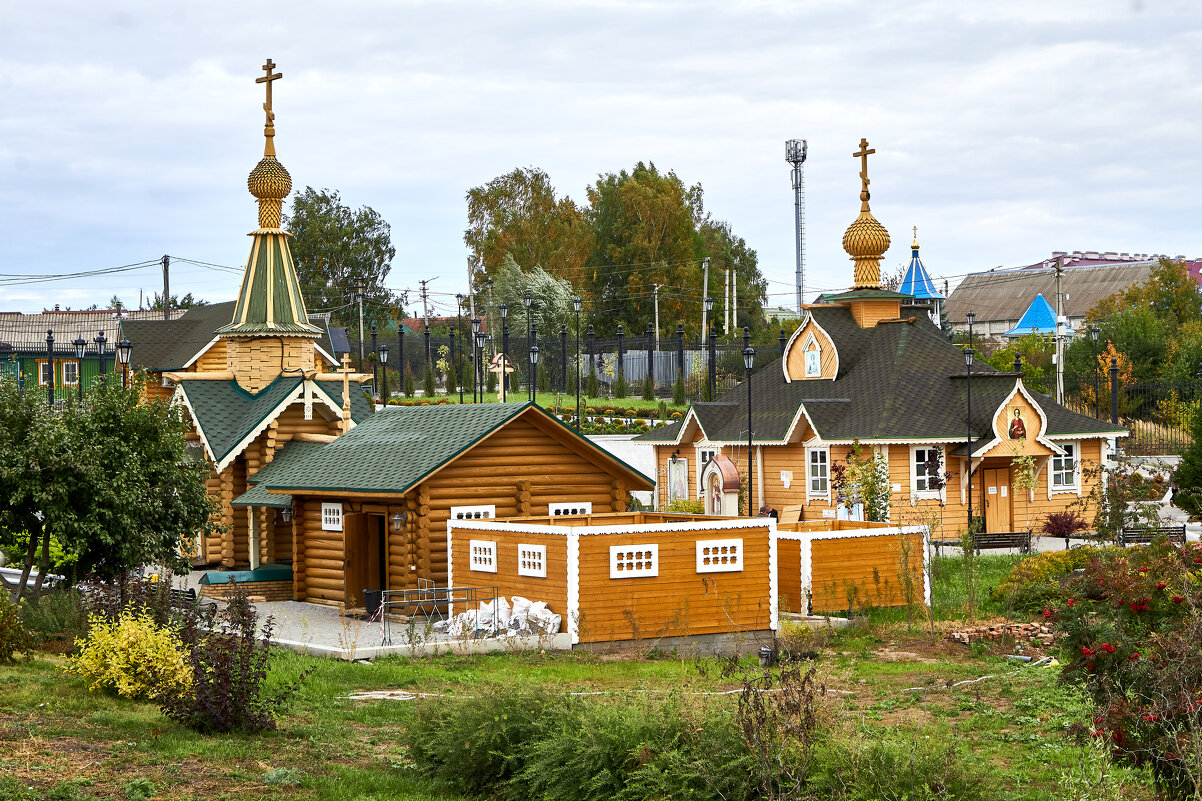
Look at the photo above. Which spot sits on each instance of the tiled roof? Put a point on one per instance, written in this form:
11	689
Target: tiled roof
1003	294
897	381
225	412
1039	318
401	445
26	333
917	281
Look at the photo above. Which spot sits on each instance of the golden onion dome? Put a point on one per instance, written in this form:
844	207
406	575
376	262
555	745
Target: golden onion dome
865	238
269	180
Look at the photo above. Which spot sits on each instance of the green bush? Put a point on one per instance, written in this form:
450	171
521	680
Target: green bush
14	638
689	506
407	384
678	390
648	388
132	656
428	382
1034	581
57	612
592	387
620	389
910	768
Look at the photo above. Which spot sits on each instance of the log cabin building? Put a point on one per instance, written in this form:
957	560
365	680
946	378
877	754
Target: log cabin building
866	365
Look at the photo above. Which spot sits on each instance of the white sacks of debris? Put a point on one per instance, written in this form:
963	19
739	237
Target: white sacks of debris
524	618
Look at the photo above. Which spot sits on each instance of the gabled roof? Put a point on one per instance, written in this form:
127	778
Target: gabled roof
226	414
917	282
1002	294
400	446
898	381
1039	318
26	333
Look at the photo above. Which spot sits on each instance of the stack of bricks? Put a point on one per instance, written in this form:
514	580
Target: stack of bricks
255	590
1015	631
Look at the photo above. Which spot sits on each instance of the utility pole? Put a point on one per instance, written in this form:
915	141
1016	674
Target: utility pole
166	288
705	293
734	298
726	299
359	297
795	154
1059	336
657	286
471	292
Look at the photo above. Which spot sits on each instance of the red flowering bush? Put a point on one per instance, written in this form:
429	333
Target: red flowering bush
1132	634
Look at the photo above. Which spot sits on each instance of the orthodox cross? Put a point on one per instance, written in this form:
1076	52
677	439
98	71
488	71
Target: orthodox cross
267	79
916	233
346	389
862	154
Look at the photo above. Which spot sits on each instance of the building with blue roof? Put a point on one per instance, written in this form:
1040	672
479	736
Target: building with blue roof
1039	318
917	282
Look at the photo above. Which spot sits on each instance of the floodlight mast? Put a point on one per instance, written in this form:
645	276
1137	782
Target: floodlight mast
795	154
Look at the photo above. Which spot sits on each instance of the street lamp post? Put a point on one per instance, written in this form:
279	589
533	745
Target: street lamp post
400	352
782	342
563	357
968	354
374	372
458	327
534	366
123	352
712	367
100	341
50	363
384	372
476	340
749	362
504	350
1094	332
620	372
81	345
651	355
680	351
481	336
576	304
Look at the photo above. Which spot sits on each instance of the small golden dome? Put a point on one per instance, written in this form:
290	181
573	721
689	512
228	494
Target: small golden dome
269	180
866	238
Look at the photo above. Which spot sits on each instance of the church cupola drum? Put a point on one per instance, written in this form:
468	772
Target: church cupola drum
270	303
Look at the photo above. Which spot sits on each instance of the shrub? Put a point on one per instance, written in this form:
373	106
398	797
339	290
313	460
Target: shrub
678	390
407	384
1130	628
620	389
662	410
228	669
1064	524
14	638
1035	581
690	506
132	656
490	382
54	613
428	382
648	387
592	388
911	768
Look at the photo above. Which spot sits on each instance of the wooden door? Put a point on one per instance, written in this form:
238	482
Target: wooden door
995	489
355	559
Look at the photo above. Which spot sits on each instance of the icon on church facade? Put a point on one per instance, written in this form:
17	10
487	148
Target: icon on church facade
1018	429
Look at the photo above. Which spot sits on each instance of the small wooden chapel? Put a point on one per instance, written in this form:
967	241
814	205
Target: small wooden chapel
870	365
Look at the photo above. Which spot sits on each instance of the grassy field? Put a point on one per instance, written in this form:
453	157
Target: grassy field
1010	723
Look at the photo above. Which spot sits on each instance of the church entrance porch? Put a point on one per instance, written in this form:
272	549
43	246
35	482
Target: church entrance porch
364	558
997	501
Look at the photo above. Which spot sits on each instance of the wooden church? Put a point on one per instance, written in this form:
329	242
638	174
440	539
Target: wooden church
870	365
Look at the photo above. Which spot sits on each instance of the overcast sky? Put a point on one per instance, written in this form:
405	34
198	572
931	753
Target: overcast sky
1004	131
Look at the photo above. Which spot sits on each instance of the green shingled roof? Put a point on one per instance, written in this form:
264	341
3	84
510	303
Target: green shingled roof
896	381
270	302
401	445
291	454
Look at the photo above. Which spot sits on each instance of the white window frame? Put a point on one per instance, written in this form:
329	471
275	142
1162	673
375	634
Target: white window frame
331	517
1075	487
42	365
483	512
705	455
569	508
810	491
482	556
73	364
633	561
720	556
915	477
532	560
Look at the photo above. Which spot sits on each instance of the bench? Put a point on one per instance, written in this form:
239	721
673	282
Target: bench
1000	540
1145	534
185	598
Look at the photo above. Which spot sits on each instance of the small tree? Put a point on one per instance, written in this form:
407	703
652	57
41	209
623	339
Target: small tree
1188	476
491	382
385	390
863	479
678	390
620	390
1117	498
592	387
408	386
648	387
428	382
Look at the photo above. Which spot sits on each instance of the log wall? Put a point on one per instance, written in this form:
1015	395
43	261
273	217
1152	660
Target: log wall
869	566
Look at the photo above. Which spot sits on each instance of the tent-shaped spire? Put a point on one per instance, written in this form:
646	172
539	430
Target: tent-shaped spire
1039	318
270	302
917	281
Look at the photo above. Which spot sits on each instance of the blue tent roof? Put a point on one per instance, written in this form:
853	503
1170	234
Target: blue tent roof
1039	318
917	282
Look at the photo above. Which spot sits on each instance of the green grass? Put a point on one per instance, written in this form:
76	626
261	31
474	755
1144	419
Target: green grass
949	592
564	400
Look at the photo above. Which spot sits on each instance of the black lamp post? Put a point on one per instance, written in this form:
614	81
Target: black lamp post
375	377
713	352
476	340
592	339
124	347
651	355
400	352
968	354
458	327
1094	332
479	370
576	304
563	357
81	345
749	362
971	316
100	341
782	342
504	350
384	372
680	350
534	366
620	373
528	300
50	362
